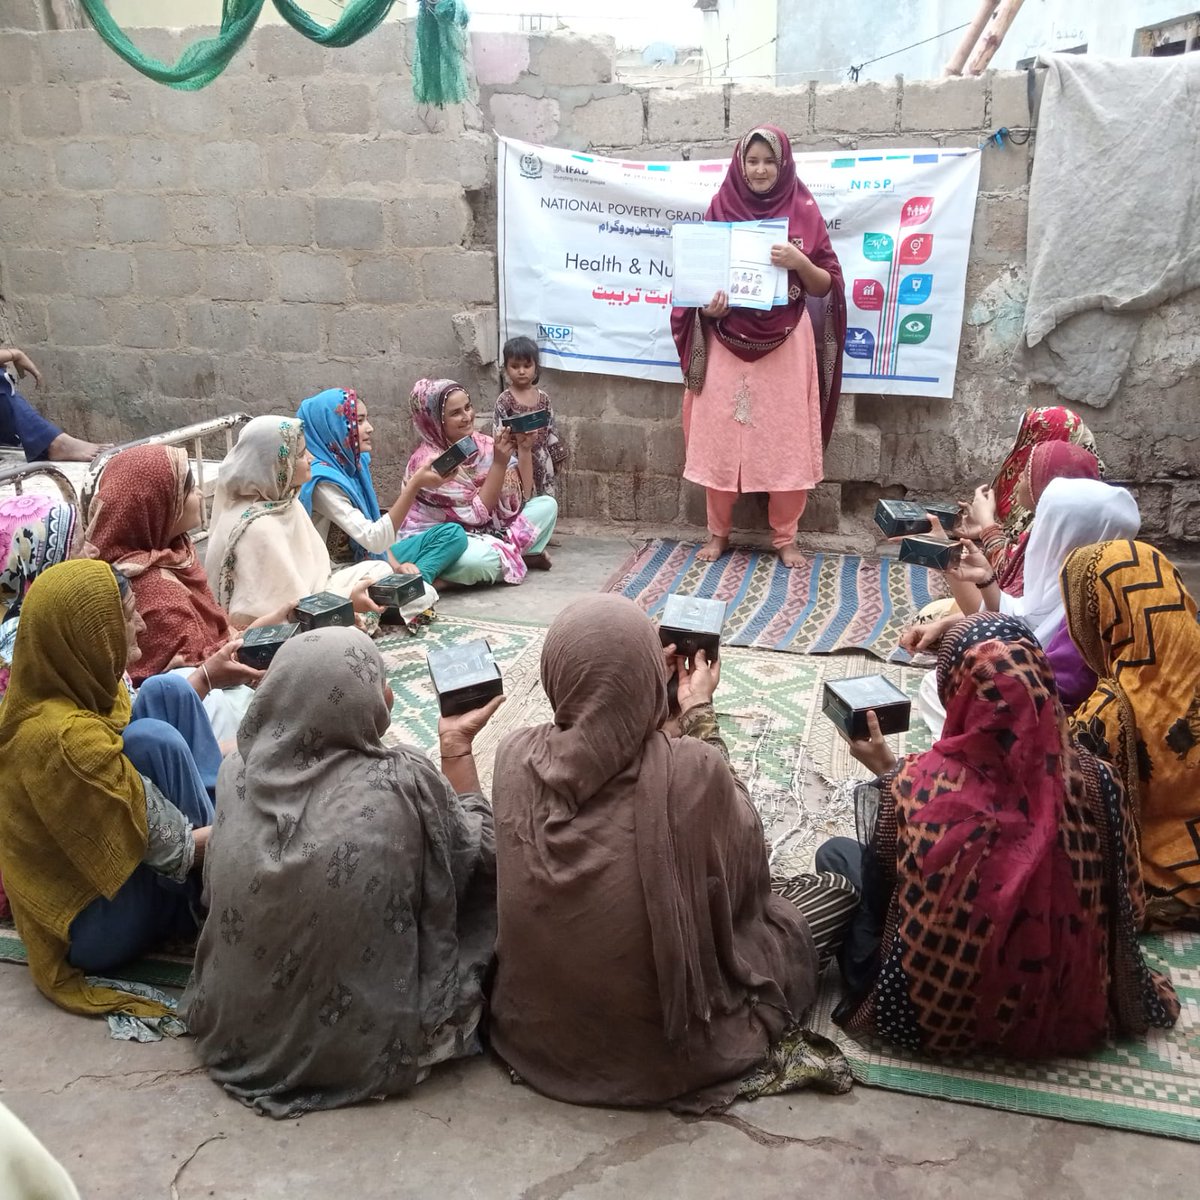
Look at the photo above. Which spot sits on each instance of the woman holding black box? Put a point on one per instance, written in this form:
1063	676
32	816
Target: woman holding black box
763	386
999	872
482	495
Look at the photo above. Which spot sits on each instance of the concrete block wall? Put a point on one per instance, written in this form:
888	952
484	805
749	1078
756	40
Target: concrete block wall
301	223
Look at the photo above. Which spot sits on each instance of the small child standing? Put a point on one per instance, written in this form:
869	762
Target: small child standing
540	453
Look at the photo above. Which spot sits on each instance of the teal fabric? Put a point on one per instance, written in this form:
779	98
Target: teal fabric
440	54
432	550
205	59
480	562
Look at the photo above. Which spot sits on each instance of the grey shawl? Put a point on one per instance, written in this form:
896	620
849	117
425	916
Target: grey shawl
351	892
1114	223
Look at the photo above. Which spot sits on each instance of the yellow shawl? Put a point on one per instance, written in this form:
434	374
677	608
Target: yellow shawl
72	807
1135	624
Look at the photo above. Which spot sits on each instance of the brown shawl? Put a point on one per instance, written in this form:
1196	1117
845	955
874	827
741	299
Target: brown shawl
139	500
641	954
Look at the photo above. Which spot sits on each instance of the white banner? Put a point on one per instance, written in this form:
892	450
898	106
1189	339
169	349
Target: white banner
585	257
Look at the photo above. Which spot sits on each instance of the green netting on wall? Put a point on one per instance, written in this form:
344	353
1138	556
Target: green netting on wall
440	61
439	67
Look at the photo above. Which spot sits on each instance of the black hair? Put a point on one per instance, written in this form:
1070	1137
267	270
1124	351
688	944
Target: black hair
520	348
189	483
123	585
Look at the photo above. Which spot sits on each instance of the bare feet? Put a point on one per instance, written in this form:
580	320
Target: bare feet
712	549
66	448
538	562
790	556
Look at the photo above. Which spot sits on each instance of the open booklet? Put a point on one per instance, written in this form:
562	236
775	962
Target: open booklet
728	256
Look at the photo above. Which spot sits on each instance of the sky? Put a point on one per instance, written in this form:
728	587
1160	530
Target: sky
631	22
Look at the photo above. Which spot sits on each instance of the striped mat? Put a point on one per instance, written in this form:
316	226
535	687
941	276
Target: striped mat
830	602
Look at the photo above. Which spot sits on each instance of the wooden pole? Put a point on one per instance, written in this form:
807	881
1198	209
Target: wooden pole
992	36
958	59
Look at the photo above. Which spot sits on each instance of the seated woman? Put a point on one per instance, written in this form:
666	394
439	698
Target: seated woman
1000	515
1135	623
1046	461
642	957
1071	513
351	888
263	550
145	504
103	812
1001	897
506	534
340	496
1038	426
36	532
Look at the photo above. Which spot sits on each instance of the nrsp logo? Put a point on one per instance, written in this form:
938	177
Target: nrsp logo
555	333
531	166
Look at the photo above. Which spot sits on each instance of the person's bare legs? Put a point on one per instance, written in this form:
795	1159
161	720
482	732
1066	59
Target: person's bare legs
784	511
66	448
720	524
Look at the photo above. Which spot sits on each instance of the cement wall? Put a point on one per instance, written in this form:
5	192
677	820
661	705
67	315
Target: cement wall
301	224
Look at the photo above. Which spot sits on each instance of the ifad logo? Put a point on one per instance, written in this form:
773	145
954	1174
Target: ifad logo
531	166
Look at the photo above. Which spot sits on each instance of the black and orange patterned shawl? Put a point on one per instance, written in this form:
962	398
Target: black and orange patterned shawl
1135	624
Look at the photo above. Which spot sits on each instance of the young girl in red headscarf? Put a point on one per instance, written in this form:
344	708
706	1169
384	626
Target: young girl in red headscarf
762	387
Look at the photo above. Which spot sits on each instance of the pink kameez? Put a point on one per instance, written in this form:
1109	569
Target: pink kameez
756	426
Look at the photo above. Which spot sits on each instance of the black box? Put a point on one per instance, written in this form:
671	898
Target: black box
693	623
261	644
847	702
527	422
949	514
464	677
926	552
396	590
898	518
458	453
324	610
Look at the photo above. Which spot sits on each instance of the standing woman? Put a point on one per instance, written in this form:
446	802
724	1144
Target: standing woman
763	386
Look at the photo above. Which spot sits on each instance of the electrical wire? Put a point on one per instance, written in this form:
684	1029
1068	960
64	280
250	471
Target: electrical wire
703	70
853	72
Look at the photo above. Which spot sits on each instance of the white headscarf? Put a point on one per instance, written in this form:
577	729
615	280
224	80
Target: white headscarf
1070	513
263	549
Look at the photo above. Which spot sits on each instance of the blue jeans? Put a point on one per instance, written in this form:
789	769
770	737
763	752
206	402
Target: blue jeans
148	908
22	425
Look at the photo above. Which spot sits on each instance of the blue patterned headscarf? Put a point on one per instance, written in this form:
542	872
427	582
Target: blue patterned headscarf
331	431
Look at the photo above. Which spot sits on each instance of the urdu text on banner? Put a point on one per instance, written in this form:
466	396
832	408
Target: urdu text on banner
585	259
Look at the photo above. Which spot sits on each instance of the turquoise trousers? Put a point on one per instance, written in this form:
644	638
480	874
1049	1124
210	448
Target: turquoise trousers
432	550
480	561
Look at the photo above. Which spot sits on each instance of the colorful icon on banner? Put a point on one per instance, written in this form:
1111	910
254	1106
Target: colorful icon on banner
877	247
868	294
914	289
916	249
860	343
914	328
916	211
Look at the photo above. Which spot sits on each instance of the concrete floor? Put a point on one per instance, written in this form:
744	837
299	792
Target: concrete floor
132	1121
